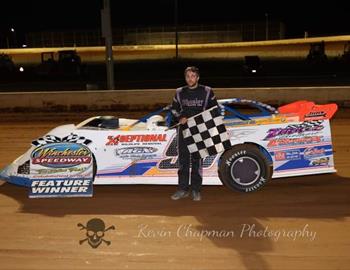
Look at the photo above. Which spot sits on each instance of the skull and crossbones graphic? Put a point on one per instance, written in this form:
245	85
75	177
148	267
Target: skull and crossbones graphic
95	231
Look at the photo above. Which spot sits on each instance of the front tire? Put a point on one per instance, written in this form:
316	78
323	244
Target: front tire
244	168
94	167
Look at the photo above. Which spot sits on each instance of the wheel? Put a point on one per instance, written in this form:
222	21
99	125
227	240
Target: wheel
244	168
94	168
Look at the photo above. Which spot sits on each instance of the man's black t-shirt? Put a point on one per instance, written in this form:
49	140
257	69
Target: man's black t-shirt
188	102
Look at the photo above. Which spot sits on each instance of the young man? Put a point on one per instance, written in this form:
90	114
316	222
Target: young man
190	100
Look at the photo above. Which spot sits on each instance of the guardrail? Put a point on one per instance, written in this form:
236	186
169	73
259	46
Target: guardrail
286	48
116	100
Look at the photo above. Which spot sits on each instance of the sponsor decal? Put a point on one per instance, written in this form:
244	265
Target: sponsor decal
48	188
61	155
62	173
60	170
120	139
294	141
273	120
136	152
294	129
241	124
314	152
170	161
72	138
237	154
260	183
79	171
240	133
287	155
315	114
320	162
192	102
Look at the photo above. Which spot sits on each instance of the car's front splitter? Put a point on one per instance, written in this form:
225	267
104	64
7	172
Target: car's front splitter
13	179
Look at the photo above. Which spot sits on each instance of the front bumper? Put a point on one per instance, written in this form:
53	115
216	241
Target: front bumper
3	174
14	179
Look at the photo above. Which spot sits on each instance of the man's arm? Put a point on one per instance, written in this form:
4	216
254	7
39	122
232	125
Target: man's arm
211	100
176	108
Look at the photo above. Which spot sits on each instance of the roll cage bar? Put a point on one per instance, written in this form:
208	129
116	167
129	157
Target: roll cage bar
265	110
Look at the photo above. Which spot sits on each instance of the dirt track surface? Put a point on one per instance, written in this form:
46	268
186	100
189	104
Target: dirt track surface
294	223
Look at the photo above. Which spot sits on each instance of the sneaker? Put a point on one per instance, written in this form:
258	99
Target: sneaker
196	195
180	194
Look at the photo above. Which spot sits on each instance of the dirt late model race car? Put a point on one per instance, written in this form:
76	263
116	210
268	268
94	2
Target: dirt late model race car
266	143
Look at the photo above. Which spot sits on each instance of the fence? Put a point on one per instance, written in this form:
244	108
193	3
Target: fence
187	34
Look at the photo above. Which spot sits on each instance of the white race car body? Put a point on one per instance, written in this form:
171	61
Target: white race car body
146	153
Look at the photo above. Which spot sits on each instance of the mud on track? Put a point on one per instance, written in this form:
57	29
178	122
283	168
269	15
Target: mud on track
248	231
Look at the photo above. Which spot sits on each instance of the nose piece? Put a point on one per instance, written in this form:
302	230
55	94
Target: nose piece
9	175
4	173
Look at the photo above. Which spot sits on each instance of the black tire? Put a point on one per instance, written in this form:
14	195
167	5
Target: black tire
250	174
94	168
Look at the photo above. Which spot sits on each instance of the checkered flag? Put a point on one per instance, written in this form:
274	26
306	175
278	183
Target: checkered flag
73	138
205	134
46	139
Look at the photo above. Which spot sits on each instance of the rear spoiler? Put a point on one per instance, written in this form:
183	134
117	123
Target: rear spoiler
308	110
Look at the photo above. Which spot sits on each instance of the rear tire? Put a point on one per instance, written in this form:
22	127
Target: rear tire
244	168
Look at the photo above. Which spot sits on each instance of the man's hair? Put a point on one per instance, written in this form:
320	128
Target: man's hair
193	69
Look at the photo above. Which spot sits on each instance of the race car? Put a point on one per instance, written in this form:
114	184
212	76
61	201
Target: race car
293	140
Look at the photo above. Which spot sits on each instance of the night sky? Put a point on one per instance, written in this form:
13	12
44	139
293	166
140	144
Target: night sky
314	17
